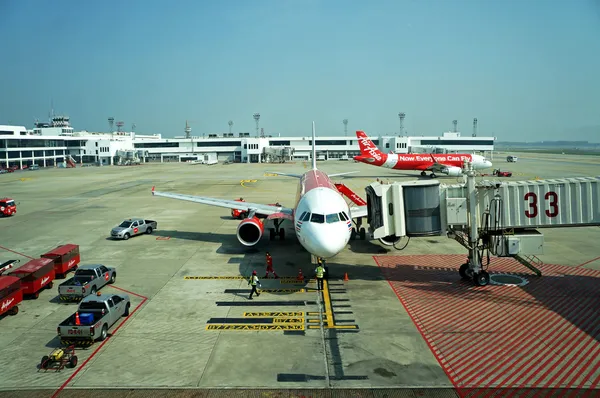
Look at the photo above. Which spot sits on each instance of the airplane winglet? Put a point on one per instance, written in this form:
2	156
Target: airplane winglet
153	190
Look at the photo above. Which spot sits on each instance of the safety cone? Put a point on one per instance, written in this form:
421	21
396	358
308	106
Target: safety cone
346	279
300	275
77	321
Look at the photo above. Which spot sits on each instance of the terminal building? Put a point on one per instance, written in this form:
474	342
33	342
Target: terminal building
56	143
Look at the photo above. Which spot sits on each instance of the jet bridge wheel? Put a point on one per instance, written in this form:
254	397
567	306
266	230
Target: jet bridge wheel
481	279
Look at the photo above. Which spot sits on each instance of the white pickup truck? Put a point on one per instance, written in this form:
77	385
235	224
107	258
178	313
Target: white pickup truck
131	227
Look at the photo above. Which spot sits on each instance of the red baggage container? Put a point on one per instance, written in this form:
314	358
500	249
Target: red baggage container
35	275
65	257
10	294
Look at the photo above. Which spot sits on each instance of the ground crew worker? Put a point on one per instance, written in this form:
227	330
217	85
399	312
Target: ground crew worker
320	271
254	281
270	267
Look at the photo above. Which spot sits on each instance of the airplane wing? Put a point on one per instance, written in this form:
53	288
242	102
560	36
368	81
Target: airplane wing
257	208
358	211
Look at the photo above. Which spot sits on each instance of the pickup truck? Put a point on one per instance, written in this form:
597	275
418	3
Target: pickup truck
131	227
87	280
95	315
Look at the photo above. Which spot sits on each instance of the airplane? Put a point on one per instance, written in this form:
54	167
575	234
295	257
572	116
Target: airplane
449	164
322	218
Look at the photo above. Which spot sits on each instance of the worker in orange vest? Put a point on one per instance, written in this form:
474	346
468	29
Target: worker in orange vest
270	267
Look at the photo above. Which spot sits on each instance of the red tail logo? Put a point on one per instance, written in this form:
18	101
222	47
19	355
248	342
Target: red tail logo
367	147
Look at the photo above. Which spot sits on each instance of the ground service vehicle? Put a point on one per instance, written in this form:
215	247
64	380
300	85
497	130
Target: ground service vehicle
499	173
133	226
59	358
35	275
239	214
10	294
95	315
8	207
65	257
87	280
512	159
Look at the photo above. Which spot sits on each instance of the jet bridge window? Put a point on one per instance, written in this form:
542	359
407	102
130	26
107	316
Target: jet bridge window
331	218
305	217
318	218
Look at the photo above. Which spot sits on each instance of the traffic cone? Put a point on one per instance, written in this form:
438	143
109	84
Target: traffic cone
300	275
346	279
77	321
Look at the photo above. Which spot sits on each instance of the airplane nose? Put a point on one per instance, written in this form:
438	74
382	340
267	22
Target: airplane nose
327	245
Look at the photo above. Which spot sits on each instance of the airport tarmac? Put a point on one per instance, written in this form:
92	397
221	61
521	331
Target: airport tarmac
194	328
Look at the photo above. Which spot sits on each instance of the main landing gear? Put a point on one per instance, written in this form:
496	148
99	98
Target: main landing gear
277	231
358	230
477	274
424	174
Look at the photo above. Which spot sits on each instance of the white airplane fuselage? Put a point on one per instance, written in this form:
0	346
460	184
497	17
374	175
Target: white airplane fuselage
322	219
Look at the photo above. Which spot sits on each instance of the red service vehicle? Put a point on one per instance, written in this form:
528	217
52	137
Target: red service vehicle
239	214
499	173
10	294
35	275
65	257
8	207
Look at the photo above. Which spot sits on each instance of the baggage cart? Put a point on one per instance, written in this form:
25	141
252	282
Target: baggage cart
65	257
10	295
35	275
5	266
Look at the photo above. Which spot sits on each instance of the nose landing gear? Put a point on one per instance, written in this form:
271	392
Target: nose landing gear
358	230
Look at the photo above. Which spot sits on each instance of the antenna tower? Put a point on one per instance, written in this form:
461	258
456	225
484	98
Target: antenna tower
402	115
475	127
256	118
188	130
345	121
111	123
455	123
230	123
119	125
133	127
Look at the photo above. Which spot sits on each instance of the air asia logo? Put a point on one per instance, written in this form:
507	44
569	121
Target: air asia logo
367	144
7	303
71	263
46	279
106	276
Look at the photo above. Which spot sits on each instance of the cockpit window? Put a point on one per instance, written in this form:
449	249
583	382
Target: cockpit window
302	215
306	216
344	216
318	218
331	218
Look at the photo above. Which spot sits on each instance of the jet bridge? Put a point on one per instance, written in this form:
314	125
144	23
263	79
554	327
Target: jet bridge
502	218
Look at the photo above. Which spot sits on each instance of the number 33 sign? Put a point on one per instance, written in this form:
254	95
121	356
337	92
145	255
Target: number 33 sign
532	200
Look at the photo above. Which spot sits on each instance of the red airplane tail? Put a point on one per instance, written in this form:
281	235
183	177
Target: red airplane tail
369	153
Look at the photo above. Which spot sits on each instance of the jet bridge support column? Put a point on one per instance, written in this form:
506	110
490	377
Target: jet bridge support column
472	268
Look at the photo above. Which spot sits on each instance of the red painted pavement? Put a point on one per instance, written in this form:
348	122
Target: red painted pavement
544	335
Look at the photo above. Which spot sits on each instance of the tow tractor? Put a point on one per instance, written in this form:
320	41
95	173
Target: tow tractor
239	214
499	173
59	358
8	207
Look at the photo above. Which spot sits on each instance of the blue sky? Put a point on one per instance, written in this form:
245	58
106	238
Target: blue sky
528	69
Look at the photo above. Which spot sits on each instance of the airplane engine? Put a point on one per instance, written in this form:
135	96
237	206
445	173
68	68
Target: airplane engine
390	240
250	231
452	171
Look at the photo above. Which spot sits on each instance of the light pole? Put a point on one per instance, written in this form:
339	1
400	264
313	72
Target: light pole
345	121
256	118
230	123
